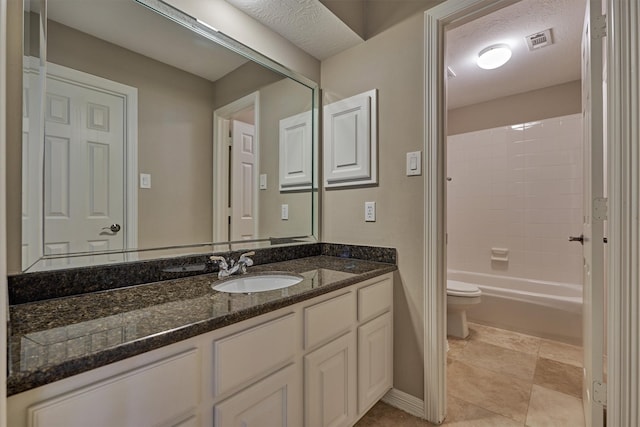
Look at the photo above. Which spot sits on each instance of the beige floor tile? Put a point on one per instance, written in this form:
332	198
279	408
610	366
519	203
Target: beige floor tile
383	415
561	352
456	345
499	359
559	376
550	408
495	392
503	338
465	414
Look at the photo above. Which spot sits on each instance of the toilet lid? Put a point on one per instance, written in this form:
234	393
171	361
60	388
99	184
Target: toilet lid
462	289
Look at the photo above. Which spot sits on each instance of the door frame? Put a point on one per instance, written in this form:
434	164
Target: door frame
623	127
130	96
448	14
4	301
220	176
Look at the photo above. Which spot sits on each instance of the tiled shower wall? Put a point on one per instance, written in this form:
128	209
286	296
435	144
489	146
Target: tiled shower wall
517	188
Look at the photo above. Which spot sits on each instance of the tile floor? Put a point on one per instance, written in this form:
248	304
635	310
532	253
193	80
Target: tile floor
501	378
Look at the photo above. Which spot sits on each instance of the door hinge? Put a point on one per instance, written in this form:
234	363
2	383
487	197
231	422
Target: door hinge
599	29
599	393
600	208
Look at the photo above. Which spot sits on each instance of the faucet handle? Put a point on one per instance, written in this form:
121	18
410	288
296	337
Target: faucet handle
222	262
245	261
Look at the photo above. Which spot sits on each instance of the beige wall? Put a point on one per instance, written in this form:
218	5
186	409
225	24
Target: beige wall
391	62
272	110
242	81
240	26
175	122
553	101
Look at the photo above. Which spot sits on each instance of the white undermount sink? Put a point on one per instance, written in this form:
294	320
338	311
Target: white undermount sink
257	283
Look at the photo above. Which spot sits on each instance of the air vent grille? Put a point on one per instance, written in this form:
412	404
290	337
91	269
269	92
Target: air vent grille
539	40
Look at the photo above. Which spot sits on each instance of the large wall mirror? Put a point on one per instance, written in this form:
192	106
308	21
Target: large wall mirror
144	128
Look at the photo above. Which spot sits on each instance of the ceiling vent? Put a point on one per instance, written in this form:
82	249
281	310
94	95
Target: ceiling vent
539	40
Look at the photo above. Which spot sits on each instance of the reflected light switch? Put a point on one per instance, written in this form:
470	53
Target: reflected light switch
145	180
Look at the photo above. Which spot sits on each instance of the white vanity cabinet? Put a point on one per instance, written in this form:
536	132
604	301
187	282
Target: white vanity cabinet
321	362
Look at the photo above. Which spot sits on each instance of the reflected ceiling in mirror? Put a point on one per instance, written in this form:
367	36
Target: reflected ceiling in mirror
156	134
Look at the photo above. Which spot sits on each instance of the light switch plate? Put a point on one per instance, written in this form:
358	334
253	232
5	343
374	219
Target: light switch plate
145	180
263	181
284	212
370	211
414	163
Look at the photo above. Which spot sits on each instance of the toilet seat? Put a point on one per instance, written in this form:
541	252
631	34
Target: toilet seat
461	289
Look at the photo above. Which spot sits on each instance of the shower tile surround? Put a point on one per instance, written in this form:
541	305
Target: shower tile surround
81	328
519	188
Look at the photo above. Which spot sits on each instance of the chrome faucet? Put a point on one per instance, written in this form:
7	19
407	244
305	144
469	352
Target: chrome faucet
231	267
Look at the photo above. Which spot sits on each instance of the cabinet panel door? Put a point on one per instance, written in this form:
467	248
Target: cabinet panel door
375	361
235	357
151	395
274	402
330	383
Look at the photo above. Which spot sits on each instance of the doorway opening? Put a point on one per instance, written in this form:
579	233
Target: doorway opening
453	15
236	150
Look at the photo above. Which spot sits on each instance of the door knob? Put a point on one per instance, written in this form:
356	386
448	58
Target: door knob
113	227
579	238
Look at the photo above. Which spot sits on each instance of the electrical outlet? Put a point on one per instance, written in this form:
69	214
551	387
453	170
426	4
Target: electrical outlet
284	212
370	211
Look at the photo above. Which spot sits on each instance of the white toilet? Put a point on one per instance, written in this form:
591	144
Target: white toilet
460	296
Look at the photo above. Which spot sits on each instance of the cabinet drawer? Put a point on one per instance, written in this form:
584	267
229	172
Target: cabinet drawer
375	299
151	395
249	355
328	319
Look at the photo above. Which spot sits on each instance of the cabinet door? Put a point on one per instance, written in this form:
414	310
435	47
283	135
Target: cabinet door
330	383
274	402
151	395
375	361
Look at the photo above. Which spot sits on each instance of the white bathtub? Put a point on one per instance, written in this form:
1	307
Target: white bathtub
544	309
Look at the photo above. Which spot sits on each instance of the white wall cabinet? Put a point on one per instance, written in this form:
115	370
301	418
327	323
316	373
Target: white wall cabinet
251	373
350	141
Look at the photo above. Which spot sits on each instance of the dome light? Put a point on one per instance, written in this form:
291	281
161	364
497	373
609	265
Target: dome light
494	56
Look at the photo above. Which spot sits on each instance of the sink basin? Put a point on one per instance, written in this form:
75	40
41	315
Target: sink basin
257	283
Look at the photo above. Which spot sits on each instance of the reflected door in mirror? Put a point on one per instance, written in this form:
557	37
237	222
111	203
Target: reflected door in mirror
84	160
244	185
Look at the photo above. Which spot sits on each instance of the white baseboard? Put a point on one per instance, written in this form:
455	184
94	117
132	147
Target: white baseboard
404	401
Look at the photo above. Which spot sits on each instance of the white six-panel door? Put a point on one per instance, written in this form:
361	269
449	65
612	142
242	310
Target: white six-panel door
84	161
244	165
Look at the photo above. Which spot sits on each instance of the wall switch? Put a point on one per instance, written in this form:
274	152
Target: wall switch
370	211
263	181
145	180
284	212
414	163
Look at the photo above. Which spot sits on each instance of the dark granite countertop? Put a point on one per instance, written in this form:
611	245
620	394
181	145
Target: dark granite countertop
54	339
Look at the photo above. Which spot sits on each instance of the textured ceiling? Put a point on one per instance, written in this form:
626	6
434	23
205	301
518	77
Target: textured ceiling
548	66
130	25
306	23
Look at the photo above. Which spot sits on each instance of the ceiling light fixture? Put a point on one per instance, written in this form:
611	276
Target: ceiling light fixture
493	56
